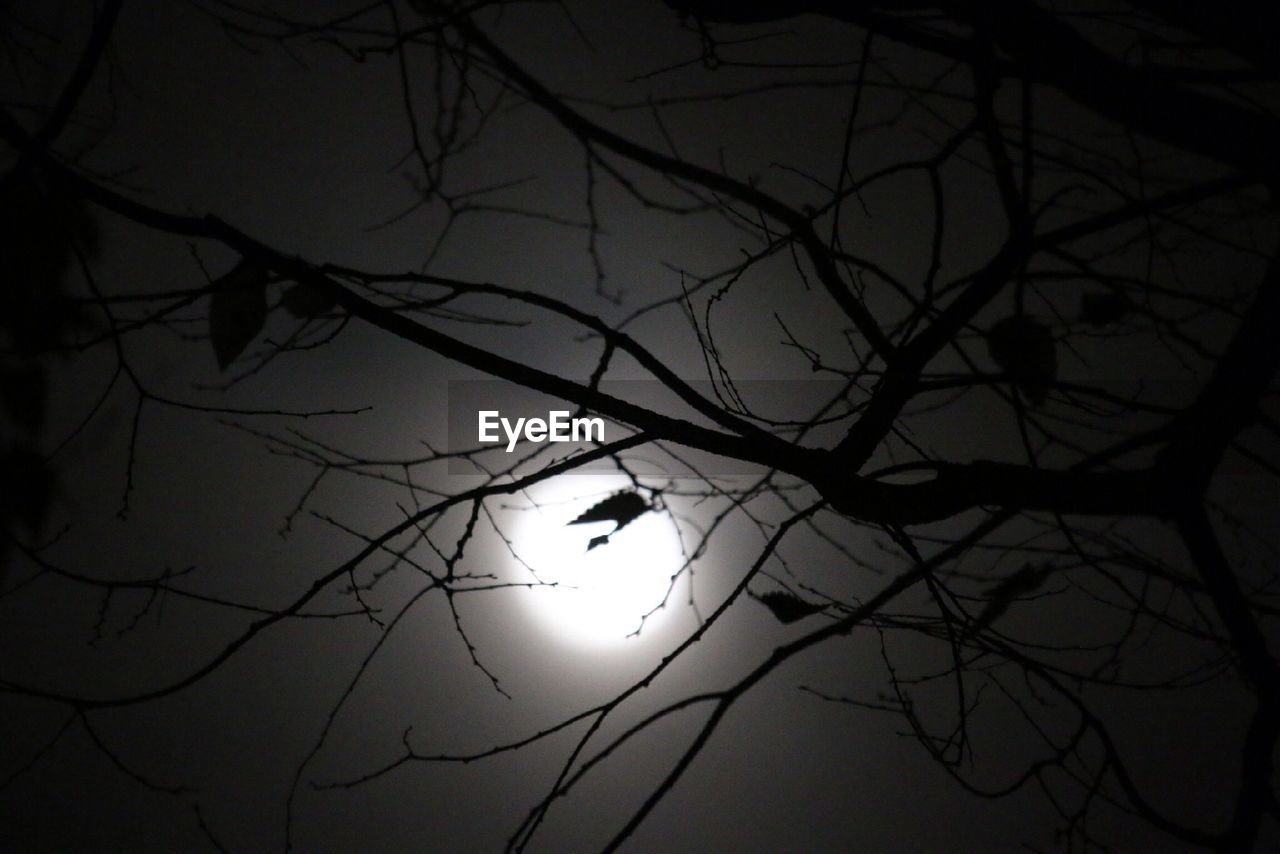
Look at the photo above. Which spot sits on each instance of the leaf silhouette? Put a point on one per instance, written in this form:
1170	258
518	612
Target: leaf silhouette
307	299
238	310
1104	309
622	508
1024	348
1023	582
786	607
23	391
26	485
41	228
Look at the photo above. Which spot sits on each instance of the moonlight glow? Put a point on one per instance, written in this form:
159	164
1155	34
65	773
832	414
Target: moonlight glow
600	595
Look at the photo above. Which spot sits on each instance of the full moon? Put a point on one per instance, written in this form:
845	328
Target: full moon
600	596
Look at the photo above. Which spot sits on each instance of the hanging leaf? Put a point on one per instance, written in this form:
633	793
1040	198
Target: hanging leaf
786	607
1025	350
238	310
26	485
1022	583
602	540
1104	309
622	508
41	229
308	299
22	391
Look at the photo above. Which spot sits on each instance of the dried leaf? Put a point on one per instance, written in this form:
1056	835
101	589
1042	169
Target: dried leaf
1104	309
1006	591
23	391
308	299
41	228
1025	350
787	608
238	310
26	485
622	508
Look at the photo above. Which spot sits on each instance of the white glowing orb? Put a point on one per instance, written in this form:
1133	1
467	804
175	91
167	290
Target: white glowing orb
600	596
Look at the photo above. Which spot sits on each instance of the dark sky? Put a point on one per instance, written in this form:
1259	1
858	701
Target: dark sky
304	149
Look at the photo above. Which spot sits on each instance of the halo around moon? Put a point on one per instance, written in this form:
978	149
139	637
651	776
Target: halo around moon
600	596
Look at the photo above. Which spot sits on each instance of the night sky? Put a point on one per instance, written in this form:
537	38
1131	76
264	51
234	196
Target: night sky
229	619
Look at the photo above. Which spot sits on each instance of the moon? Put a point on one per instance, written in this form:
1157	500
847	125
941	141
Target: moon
595	598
